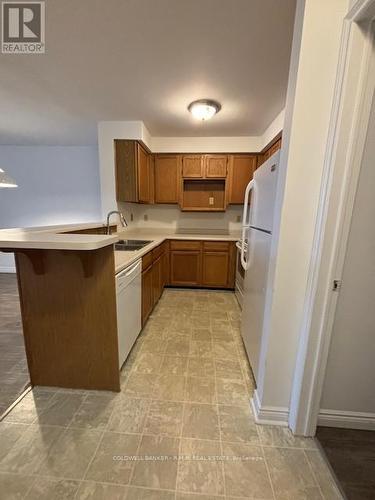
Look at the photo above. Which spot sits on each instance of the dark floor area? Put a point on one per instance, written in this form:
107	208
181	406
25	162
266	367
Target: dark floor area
351	454
14	375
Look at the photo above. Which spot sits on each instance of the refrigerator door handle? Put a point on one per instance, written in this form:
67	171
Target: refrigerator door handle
246	223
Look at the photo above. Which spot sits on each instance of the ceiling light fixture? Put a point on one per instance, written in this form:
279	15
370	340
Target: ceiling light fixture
6	181
204	109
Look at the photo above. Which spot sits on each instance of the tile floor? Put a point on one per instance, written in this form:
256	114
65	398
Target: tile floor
180	429
14	375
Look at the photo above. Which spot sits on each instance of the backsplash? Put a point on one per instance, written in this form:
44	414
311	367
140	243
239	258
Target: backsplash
171	217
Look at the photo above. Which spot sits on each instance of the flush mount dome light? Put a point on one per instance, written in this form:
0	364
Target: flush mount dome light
204	109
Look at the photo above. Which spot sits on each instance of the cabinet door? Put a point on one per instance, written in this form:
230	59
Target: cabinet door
126	170
216	166
147	295
241	170
167	179
215	269
156	280
144	188
165	264
185	267
192	166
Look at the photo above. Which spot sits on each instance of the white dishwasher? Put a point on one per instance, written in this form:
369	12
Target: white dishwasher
128	300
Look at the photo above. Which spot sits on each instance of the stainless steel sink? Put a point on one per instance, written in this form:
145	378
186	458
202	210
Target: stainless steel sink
131	245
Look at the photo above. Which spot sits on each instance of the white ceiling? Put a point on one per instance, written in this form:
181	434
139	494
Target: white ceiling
147	60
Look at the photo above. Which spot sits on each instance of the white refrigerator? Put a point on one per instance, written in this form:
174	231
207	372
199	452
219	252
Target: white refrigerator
255	244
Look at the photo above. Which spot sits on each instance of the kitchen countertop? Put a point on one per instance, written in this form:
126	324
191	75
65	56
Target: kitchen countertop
124	259
50	237
56	238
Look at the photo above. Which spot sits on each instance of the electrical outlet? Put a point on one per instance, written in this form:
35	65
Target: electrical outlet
238	218
145	217
211	200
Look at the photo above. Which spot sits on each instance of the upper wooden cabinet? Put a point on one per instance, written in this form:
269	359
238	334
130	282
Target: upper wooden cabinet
193	166
269	152
134	172
241	170
167	178
204	166
216	166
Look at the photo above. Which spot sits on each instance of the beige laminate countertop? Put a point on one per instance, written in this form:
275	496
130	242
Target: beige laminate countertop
124	259
53	237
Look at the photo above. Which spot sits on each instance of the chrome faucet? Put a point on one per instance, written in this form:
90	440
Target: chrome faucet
121	216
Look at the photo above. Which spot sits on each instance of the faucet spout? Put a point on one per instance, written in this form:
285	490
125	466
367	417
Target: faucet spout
121	217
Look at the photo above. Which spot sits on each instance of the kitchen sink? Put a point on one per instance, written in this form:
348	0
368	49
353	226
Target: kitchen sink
131	245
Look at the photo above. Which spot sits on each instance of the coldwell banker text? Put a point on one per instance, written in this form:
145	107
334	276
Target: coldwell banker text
23	27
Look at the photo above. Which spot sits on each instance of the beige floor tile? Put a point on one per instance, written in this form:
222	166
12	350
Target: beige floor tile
246	472
237	424
30	407
201	367
161	470
224	335
310	493
228	369
104	468
198	471
14	486
323	475
201	349
225	350
232	392
30	449
137	493
61	408
140	385
94	412
153	345
200	321
289	470
164	418
274	435
201	421
91	490
173	365
194	496
57	489
129	415
9	434
178	346
147	362
170	388
70	454
200	390
203	334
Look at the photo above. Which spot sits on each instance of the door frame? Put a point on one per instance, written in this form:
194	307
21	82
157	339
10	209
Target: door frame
345	146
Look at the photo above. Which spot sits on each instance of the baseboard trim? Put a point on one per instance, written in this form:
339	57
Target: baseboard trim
347	419
268	415
7	269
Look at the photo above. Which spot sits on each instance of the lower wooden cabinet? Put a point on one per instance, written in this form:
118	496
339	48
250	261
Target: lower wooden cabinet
215	269
185	267
155	276
147	294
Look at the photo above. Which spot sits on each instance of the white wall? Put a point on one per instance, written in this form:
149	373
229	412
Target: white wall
56	185
350	373
308	109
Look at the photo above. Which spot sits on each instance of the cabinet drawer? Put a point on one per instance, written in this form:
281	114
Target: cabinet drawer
146	261
185	245
216	246
156	252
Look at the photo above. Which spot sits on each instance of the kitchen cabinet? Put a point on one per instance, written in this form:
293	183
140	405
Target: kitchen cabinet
206	195
202	263
192	166
269	152
167	178
204	166
147	293
134	172
154	278
241	170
